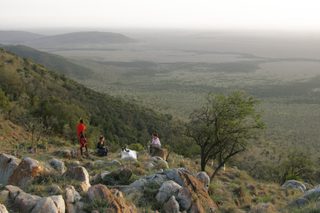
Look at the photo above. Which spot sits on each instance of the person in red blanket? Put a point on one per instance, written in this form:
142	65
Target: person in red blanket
81	136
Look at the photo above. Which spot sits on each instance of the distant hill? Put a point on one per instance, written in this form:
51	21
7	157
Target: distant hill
51	61
17	37
79	40
29	91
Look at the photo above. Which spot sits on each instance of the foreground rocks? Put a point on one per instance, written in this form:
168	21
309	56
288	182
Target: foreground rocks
79	173
177	187
27	203
8	164
173	190
26	171
114	199
73	200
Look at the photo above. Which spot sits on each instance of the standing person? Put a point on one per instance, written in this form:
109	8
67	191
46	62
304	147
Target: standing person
81	127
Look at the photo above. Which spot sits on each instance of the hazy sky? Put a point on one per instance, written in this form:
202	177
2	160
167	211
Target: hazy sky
199	14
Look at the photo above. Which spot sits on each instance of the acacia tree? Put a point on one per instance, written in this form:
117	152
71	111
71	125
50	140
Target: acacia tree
223	127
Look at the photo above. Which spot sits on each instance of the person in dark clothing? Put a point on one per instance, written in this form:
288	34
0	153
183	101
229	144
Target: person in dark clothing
101	147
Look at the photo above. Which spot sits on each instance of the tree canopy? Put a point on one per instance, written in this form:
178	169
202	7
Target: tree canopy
224	126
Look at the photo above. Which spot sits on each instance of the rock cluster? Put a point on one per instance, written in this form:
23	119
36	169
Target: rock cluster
179	190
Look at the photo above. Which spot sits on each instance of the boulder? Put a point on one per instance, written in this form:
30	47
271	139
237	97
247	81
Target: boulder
59	203
73	200
204	178
171	206
4	195
120	176
300	202
294	184
8	164
312	194
25	202
13	191
26	171
174	174
167	190
114	198
3	209
81	174
157	163
158	151
58	165
45	205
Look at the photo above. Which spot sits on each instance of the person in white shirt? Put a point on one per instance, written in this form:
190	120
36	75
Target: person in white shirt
155	141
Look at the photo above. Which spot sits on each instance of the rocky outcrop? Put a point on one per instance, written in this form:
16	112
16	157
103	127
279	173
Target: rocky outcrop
114	198
8	164
294	184
158	151
79	173
188	191
26	171
193	191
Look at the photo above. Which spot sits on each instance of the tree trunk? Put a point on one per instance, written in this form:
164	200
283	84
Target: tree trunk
216	171
203	162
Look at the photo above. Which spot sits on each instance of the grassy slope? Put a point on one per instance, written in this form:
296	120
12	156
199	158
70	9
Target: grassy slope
36	92
53	62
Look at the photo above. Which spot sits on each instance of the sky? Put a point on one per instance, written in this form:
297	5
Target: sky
300	15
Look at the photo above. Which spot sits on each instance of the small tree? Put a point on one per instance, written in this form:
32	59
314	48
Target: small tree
223	127
37	129
298	165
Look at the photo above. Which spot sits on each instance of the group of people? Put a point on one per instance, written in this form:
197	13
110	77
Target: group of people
102	149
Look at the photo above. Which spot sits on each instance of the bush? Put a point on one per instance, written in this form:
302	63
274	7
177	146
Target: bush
136	146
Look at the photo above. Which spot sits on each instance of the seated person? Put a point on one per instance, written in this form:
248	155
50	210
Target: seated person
155	141
101	148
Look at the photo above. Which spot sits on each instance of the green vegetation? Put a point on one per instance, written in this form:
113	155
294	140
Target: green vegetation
223	127
35	93
50	61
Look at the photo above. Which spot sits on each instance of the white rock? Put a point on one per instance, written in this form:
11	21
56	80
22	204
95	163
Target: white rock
294	184
204	178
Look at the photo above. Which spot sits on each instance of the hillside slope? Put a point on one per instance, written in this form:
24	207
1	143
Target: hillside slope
36	93
52	62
